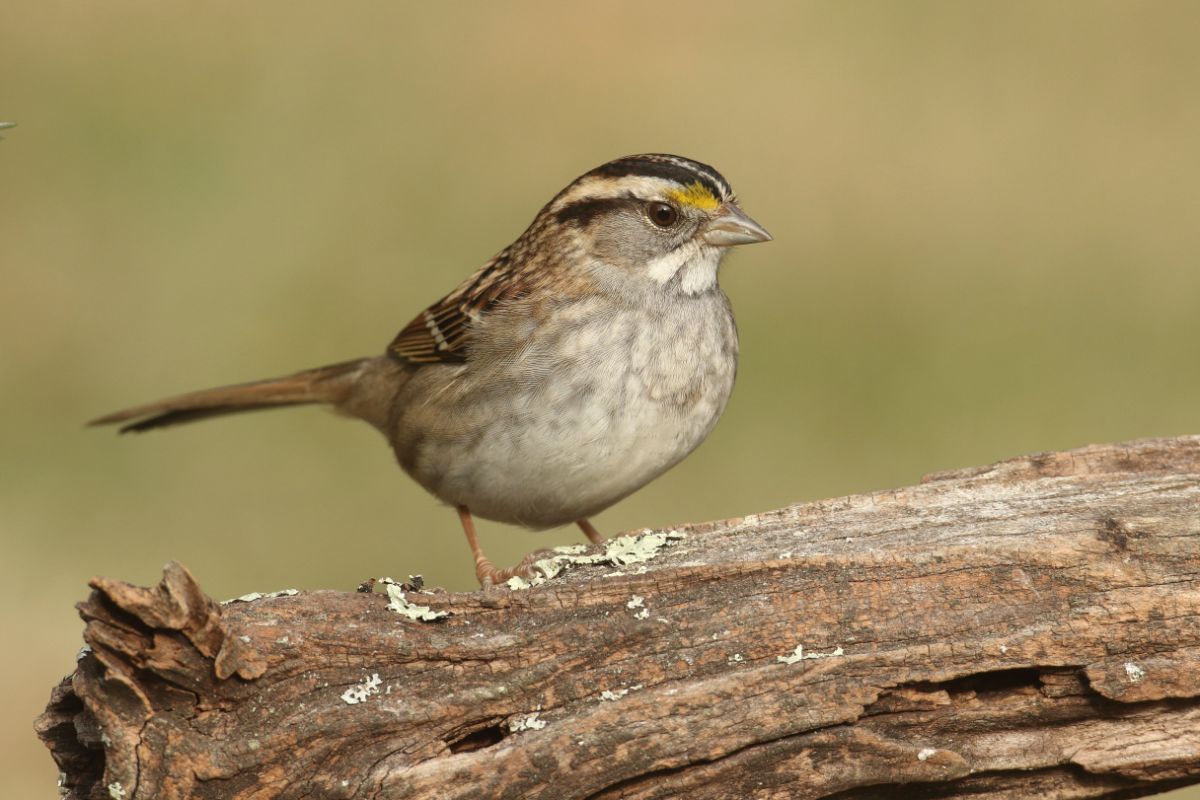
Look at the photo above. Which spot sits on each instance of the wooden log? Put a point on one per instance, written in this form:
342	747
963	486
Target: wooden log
1028	629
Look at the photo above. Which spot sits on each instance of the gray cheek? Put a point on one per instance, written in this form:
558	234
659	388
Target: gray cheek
625	239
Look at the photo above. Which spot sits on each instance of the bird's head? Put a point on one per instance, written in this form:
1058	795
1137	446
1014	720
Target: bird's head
655	218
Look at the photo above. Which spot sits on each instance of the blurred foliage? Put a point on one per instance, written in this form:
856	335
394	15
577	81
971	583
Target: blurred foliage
986	244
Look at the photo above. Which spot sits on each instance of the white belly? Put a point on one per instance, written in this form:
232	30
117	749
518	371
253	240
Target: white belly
621	401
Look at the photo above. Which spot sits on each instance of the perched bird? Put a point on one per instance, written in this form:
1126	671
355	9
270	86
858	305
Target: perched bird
587	358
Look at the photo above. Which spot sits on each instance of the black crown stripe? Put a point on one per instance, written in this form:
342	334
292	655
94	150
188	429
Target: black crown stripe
675	168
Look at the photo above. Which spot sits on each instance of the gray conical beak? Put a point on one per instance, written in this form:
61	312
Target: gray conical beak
731	227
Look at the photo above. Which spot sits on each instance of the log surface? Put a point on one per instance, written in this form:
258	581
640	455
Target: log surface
1028	629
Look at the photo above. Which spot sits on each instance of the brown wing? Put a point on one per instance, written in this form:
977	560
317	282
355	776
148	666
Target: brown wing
440	333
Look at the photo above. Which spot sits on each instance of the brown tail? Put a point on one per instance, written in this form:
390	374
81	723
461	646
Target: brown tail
329	384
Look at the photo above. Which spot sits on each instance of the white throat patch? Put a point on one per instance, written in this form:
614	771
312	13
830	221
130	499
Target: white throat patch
698	264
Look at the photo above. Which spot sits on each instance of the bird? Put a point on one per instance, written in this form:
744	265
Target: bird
585	359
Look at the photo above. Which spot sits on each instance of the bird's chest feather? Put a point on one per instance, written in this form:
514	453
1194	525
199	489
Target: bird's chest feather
650	381
589	409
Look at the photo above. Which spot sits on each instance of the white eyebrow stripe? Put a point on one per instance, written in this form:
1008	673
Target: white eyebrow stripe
599	188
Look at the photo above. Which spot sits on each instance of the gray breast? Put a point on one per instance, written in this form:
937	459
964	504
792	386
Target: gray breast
587	411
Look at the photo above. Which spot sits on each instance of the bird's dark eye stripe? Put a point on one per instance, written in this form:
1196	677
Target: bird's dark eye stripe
583	212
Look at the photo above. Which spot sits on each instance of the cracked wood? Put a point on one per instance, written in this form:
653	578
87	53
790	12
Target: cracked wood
1028	629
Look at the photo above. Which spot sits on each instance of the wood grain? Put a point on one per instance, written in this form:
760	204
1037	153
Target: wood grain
1027	629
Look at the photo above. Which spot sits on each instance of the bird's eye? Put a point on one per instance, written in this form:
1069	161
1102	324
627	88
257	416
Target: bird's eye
664	215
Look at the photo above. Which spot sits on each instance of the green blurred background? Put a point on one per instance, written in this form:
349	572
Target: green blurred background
986	244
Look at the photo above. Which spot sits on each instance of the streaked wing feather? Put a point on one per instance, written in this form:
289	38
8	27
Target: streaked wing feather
440	334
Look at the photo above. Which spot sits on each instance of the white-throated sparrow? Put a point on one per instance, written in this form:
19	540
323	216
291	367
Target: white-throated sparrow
587	358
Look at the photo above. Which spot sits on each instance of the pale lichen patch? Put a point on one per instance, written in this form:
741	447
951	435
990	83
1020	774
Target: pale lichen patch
638	547
116	791
638	602
925	753
1134	672
399	602
252	596
799	655
549	567
361	691
632	548
526	722
608	695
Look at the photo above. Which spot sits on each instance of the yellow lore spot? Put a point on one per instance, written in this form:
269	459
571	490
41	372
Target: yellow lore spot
695	194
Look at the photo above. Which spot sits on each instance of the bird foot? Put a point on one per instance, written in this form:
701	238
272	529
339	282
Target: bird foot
489	576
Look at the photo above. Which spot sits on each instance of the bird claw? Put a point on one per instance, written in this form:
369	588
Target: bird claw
489	576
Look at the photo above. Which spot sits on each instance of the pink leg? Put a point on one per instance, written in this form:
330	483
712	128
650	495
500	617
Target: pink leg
485	571
590	531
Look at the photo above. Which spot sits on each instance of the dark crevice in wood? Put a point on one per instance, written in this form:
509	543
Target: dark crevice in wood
477	739
1000	680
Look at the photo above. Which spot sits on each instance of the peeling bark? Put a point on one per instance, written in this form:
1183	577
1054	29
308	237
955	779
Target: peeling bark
1028	629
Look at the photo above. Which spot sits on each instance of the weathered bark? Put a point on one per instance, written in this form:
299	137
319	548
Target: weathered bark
1026	629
